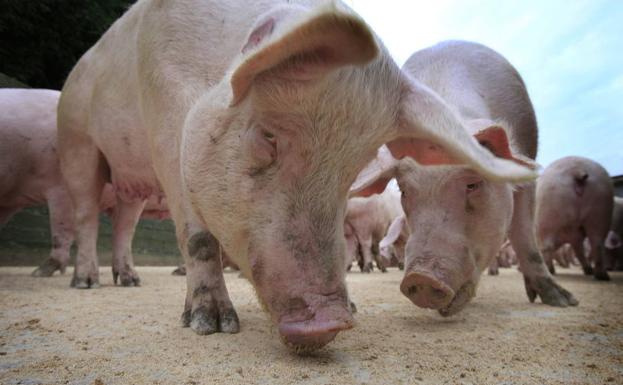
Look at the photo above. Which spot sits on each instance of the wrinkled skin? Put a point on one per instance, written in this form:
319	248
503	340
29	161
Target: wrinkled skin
460	218
254	118
30	175
574	201
369	219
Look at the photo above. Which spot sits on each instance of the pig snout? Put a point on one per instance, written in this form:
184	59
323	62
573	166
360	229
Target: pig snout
424	290
314	321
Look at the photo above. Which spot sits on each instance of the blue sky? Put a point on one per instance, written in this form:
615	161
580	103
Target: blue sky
570	54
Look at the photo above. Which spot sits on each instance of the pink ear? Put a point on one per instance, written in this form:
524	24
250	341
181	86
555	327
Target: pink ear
421	150
494	138
377	187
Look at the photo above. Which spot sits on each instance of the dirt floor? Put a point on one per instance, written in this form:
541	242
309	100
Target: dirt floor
51	334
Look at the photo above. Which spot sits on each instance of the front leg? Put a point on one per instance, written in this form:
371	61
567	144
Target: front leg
537	278
208	308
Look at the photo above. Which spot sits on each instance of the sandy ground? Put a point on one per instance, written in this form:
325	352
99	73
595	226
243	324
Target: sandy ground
51	334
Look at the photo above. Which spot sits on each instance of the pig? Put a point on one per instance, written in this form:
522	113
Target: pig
29	170
369	218
254	119
574	201
353	248
392	246
30	175
460	218
506	257
614	241
564	256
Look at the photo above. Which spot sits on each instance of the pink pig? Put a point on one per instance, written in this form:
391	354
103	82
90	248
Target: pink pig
574	201
30	176
254	118
460	218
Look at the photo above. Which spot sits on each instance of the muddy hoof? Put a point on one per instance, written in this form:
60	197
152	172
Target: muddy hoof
204	320
401	266
126	278
47	268
84	283
550	292
588	270
181	270
602	276
353	307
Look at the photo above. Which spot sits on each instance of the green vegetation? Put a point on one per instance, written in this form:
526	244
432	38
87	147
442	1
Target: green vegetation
41	41
26	240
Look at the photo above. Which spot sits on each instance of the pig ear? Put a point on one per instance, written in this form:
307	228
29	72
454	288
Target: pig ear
430	132
494	139
613	241
296	45
393	231
373	179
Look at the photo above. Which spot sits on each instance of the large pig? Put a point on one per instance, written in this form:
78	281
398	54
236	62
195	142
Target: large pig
614	242
369	218
574	201
459	217
30	175
254	118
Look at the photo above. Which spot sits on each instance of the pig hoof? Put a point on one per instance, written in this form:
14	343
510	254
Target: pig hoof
550	292
228	321
494	272
602	276
353	308
207	321
47	268
588	270
401	266
383	269
185	319
84	283
181	270
126	278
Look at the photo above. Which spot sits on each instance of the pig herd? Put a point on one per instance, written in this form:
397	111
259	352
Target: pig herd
269	132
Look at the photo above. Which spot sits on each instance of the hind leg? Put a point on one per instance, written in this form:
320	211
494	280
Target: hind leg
578	249
125	218
597	254
84	170
61	227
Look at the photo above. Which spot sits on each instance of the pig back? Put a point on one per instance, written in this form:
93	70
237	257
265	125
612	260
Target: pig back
481	84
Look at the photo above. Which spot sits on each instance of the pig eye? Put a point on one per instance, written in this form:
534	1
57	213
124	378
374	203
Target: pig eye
269	136
471	187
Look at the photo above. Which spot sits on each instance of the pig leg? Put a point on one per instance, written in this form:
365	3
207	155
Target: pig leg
578	248
84	170
207	308
61	227
493	267
125	217
549	257
366	253
374	249
597	255
537	279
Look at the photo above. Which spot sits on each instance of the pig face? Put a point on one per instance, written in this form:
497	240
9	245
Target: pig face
461	221
269	153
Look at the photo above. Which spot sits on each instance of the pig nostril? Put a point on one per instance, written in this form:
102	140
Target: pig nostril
439	293
412	290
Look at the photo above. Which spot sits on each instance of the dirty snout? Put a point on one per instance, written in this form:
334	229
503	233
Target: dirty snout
305	294
439	280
